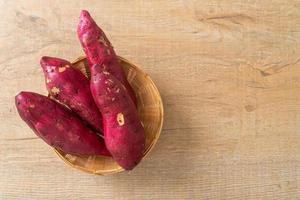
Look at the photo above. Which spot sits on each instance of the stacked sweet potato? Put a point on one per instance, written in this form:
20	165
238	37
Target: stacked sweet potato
87	117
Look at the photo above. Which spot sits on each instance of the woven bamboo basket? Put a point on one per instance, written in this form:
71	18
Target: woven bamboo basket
150	109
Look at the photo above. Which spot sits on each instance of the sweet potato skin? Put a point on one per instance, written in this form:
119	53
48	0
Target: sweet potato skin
123	132
58	126
99	50
69	86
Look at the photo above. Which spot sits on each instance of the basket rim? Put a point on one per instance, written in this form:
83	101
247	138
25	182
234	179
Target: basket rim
150	147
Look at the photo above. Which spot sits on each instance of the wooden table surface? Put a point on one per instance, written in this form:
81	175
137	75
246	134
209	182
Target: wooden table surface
229	75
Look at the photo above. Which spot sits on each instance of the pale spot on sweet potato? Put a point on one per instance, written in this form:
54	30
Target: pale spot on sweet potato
108	52
67	66
113	99
106	72
118	90
55	90
61	69
120	119
51	69
48	80
31	105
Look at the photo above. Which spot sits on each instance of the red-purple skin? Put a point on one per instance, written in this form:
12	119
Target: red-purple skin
58	126
69	86
99	50
124	134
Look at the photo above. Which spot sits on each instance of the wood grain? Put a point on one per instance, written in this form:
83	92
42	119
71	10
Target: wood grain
229	75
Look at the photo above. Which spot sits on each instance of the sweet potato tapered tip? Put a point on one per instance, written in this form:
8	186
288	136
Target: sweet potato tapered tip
51	61
84	14
99	50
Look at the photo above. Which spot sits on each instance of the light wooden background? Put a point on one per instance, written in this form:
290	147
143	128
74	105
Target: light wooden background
229	75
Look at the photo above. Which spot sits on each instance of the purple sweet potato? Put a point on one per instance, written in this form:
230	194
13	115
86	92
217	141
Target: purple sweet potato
58	126
99	50
124	134
69	86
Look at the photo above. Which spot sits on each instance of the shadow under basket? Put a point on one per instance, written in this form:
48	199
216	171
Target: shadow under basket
150	109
